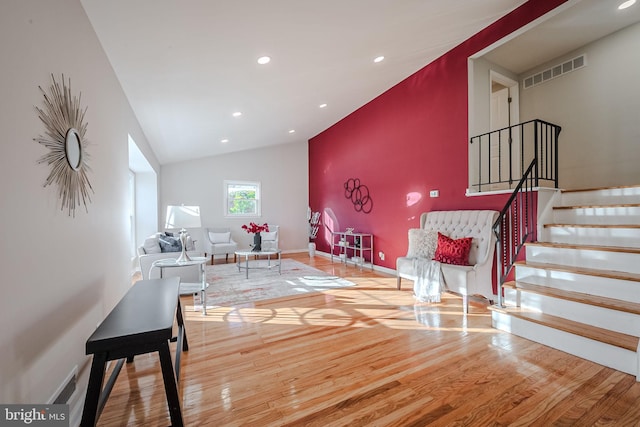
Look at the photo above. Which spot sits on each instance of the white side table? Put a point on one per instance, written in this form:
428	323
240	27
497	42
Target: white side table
172	262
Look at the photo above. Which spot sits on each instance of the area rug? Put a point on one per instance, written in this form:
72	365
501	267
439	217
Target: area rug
228	287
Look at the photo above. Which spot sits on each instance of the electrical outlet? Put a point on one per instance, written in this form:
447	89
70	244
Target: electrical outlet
381	255
434	193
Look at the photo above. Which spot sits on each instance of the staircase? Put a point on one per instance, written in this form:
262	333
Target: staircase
579	288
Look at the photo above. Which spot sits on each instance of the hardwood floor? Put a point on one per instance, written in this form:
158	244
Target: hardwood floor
368	355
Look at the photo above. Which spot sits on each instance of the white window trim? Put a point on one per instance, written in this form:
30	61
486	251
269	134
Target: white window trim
225	201
132	212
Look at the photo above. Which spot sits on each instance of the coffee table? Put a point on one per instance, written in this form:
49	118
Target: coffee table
249	253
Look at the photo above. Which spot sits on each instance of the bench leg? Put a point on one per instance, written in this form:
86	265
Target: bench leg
212	259
465	304
90	411
182	345
399	280
170	385
180	322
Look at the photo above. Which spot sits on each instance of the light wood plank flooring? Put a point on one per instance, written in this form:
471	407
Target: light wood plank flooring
369	355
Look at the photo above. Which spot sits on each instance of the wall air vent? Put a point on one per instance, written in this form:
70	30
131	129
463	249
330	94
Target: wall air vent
555	71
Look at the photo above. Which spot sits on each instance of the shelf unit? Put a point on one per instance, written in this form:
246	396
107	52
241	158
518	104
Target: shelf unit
352	247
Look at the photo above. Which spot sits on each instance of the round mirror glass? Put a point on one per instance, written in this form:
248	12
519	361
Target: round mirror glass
73	148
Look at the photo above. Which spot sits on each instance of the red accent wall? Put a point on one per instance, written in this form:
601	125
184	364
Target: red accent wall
411	139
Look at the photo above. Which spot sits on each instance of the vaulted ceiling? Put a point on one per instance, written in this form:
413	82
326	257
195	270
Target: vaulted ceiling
187	66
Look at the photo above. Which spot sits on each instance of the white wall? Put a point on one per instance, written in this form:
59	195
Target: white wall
282	171
60	275
597	107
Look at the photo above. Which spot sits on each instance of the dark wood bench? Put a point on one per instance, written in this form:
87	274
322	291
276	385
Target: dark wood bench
142	322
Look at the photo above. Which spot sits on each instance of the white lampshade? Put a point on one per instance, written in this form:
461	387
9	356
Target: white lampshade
183	217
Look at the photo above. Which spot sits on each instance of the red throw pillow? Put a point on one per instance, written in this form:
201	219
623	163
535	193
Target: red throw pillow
450	251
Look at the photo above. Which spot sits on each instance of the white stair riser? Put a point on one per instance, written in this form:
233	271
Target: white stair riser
625	237
614	320
608	215
601	197
627	290
598	352
604	260
511	298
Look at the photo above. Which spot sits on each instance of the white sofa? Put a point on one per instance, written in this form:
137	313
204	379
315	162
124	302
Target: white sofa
150	251
474	279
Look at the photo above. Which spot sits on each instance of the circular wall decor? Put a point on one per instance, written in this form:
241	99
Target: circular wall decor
65	138
359	195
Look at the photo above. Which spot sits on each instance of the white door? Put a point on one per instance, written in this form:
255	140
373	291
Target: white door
499	143
500	109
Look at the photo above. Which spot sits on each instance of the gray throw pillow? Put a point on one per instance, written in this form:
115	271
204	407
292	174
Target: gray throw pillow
169	244
422	243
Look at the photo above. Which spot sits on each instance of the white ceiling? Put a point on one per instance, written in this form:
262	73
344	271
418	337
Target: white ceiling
563	30
186	66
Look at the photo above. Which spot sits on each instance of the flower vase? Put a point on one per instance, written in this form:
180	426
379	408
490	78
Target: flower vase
257	242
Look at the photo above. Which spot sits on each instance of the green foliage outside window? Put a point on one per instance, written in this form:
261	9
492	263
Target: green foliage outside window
242	202
242	199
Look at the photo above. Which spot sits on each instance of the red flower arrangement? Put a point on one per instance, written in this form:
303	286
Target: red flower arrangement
255	228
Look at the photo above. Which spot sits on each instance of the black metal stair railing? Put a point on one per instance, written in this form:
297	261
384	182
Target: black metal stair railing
515	226
503	154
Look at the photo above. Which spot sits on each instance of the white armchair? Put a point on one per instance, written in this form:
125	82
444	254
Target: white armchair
270	238
218	241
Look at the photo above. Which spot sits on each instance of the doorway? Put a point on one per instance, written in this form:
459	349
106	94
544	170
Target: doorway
505	148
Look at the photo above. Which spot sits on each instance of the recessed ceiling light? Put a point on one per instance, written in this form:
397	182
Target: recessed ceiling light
379	59
322	105
224	141
237	114
264	60
627	4
292	131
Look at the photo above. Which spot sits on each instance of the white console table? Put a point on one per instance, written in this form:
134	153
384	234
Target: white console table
352	247
199	261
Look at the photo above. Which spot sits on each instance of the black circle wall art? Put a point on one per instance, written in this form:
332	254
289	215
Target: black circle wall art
359	195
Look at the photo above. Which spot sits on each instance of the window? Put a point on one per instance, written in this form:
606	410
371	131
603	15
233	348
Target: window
132	212
242	198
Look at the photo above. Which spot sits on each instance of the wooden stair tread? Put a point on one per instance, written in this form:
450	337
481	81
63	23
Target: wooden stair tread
581	270
628	342
613	205
585	247
579	190
594	300
593	225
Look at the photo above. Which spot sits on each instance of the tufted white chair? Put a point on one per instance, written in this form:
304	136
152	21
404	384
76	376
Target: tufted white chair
474	279
218	241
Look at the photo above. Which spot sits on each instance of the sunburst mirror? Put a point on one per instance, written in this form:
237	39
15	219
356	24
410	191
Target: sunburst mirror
65	133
